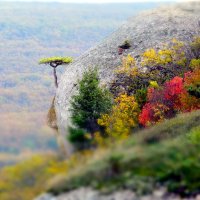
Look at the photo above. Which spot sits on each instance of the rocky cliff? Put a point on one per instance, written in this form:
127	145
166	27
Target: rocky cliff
147	30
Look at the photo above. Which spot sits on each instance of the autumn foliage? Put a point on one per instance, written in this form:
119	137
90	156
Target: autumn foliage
147	91
171	98
123	117
190	98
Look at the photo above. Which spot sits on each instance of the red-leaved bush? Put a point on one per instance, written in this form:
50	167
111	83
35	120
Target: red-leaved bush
189	101
172	90
153	113
165	102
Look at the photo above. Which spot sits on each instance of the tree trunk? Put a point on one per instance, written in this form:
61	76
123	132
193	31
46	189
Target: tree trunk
55	77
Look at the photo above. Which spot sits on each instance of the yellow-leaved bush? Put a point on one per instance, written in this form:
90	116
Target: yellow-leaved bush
195	64
122	118
128	67
153	84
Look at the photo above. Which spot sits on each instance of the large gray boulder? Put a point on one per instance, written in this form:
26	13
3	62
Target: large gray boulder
147	30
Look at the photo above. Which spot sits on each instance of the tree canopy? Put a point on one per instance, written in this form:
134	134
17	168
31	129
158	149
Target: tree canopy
55	61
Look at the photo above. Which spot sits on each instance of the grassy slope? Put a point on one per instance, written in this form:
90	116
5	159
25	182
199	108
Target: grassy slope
162	154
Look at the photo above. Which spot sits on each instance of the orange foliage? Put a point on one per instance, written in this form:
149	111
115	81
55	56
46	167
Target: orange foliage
190	102
123	117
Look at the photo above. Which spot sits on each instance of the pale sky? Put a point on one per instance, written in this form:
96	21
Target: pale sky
99	1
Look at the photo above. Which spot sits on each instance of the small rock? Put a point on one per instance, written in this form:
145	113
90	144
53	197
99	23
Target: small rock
160	192
45	197
198	197
147	197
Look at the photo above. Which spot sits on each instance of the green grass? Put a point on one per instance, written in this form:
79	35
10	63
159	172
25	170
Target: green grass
170	128
167	154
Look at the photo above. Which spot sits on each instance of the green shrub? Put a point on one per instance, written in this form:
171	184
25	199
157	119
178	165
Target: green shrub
195	47
77	137
194	135
141	96
194	90
125	45
172	128
130	84
87	106
195	63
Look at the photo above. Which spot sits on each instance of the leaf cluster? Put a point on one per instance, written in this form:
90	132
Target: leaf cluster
195	47
122	118
56	60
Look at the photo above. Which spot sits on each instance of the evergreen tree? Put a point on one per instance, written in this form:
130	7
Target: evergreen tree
86	107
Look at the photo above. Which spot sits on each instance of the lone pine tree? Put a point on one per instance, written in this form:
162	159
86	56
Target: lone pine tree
54	62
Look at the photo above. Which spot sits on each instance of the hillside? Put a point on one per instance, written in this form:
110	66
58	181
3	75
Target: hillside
29	31
151	29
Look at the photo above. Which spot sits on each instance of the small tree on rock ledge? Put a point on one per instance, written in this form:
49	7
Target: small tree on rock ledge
54	62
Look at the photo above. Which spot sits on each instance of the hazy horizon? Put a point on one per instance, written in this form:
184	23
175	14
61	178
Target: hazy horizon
96	1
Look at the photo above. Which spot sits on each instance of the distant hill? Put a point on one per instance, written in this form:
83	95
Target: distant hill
29	31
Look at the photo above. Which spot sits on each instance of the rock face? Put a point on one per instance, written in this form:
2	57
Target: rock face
147	30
